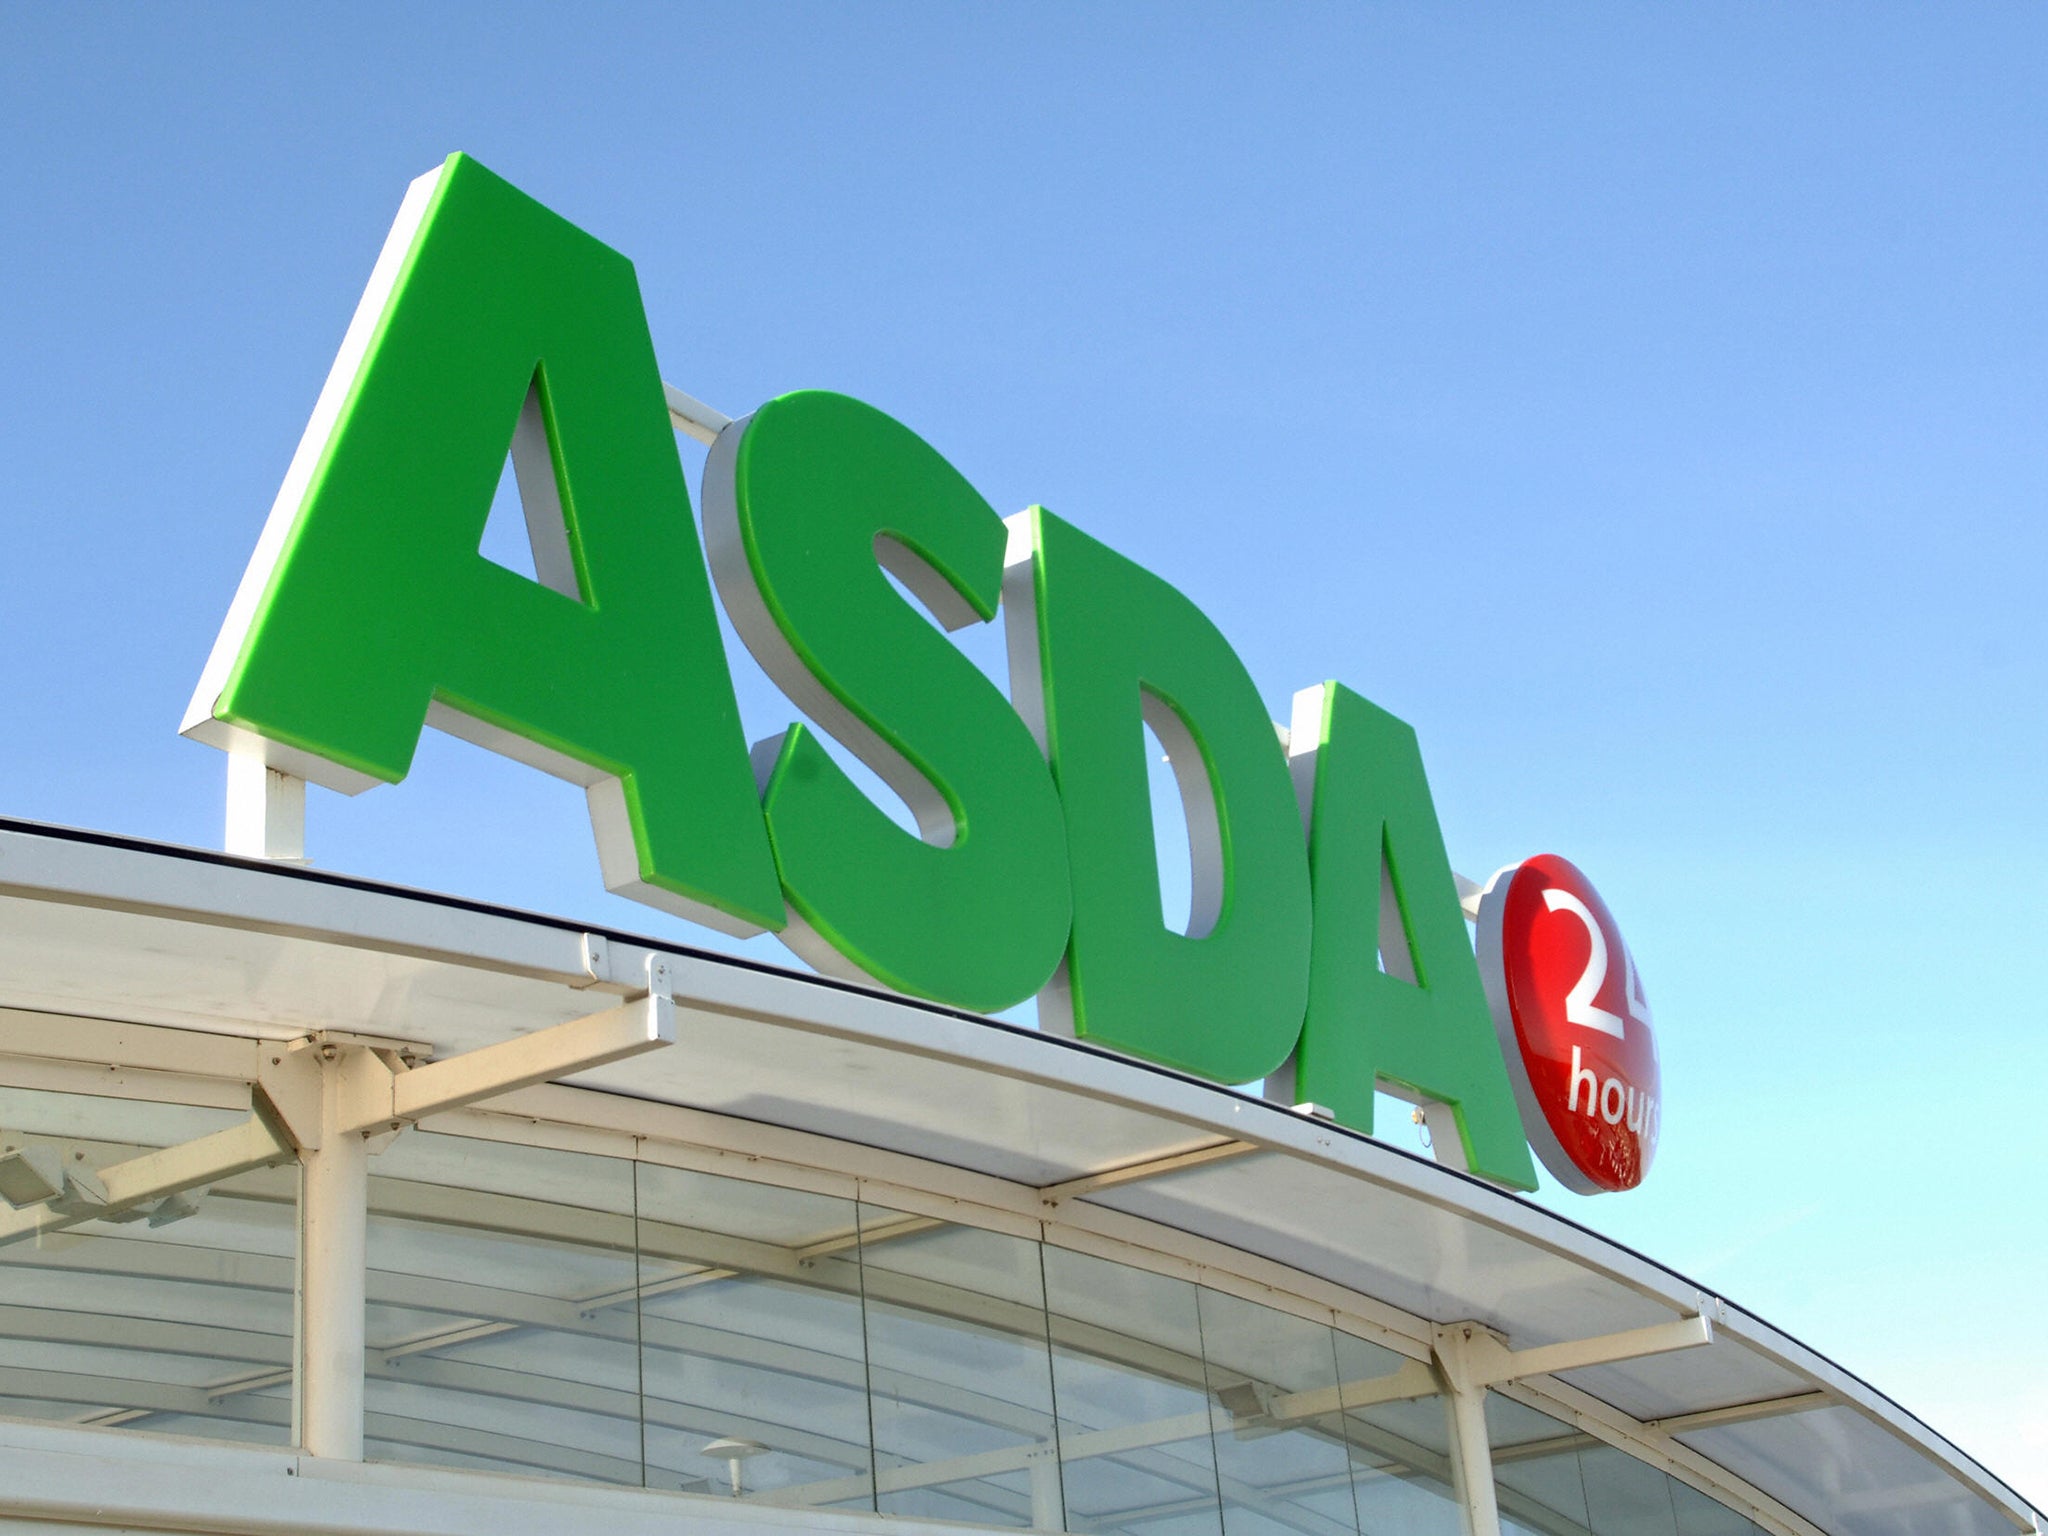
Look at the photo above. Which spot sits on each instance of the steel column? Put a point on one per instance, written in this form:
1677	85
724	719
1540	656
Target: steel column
1465	1399
334	1196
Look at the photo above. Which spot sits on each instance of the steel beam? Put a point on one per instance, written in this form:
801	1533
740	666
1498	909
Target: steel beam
1414	1379
1151	1168
155	1176
1488	1361
382	1098
1741	1413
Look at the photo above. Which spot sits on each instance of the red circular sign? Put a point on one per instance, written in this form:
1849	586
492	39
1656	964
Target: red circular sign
1573	1023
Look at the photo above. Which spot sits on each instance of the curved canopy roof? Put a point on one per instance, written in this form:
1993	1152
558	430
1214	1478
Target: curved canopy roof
107	928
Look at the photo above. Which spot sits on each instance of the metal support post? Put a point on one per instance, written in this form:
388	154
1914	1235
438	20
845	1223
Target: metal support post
334	1198
1048	1507
1472	1357
1465	1396
266	810
330	1096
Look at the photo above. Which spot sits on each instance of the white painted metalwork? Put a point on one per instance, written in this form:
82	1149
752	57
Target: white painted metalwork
1740	1413
1471	1450
693	416
1130	1173
379	1097
103	1194
333	1200
324	1096
162	979
266	817
1472	1357
1487	1360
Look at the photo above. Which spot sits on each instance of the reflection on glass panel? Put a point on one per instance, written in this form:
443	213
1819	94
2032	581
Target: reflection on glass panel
541	1311
1558	1481
1536	1473
174	1316
1625	1497
1699	1515
1136	1448
755	1361
501	1327
1280	1459
1397	1433
961	1372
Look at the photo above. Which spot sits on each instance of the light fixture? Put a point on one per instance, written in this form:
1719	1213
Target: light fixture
31	1175
732	1450
176	1207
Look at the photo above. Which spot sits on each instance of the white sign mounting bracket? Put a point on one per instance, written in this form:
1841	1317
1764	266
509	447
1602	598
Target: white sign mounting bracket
266	811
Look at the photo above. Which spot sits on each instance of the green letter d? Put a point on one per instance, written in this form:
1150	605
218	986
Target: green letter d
1099	648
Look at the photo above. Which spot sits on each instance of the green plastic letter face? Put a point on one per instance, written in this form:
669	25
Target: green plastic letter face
368	610
807	502
1383	886
1099	648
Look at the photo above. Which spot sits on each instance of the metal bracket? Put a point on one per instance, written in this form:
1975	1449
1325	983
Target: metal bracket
1469	892
597	961
289	1087
689	414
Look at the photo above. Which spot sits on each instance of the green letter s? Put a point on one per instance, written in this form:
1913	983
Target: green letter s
806	503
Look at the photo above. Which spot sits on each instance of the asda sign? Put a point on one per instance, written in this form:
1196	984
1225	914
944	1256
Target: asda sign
368	612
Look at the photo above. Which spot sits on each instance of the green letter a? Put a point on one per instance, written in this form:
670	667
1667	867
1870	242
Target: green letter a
368	610
1383	885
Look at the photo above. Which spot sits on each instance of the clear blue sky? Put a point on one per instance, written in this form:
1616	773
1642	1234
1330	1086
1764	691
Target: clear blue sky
1645	402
